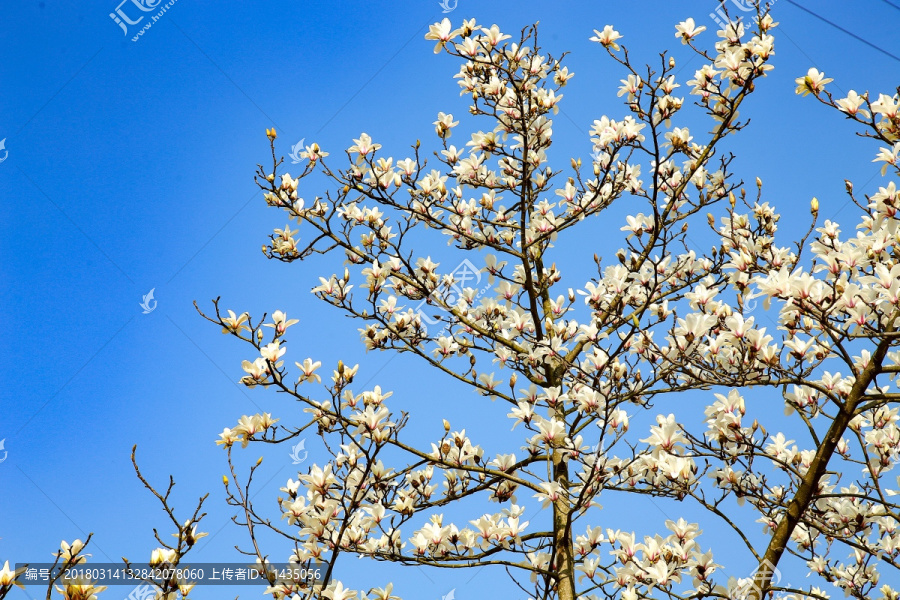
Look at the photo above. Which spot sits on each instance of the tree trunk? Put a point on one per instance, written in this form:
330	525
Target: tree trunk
564	556
807	490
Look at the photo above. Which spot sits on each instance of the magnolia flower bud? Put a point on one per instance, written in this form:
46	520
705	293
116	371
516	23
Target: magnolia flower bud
758	182
814	205
731	199
259	461
270	133
270	177
446	426
162	555
671	62
225	479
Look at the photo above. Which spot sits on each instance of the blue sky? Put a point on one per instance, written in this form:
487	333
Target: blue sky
130	167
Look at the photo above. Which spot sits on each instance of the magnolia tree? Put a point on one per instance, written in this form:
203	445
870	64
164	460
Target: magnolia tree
576	361
69	574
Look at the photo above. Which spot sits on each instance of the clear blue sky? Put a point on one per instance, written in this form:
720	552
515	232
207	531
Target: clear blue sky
130	167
